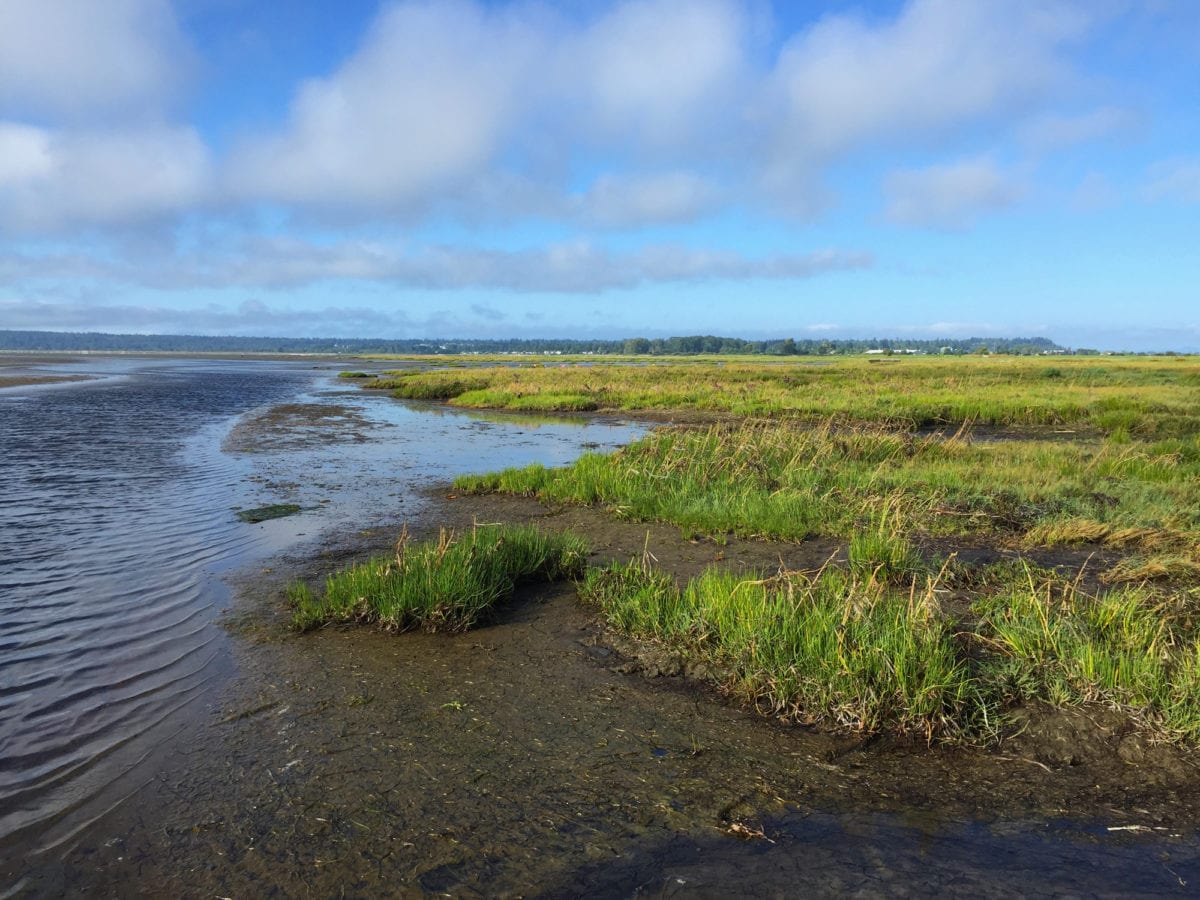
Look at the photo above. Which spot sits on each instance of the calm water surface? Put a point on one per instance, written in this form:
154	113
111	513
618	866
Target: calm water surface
118	520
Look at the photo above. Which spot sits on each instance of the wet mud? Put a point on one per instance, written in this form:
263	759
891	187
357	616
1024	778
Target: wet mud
542	755
292	426
538	756
10	381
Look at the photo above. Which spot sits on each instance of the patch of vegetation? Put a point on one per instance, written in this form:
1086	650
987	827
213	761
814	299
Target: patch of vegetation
1135	396
828	648
887	458
355	375
879	488
273	511
857	652
442	585
1130	646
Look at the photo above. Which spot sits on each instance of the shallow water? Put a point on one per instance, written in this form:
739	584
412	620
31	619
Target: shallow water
118	522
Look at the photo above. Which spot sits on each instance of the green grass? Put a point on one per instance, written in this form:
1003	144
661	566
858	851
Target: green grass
443	585
879	488
839	649
1135	396
1129	646
829	648
1109	457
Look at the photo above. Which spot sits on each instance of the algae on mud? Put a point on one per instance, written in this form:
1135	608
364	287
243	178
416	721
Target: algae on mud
265	513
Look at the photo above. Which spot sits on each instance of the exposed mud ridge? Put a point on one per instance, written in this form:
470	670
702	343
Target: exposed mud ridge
10	381
536	756
297	426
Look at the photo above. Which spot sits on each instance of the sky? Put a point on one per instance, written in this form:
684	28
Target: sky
885	168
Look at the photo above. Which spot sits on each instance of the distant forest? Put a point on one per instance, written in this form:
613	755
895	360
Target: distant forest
672	346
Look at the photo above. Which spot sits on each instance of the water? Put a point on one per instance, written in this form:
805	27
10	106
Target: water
117	523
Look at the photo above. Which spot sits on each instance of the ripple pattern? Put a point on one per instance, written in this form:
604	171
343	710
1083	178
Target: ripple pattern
114	516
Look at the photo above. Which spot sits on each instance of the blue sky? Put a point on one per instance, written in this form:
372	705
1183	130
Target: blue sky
651	167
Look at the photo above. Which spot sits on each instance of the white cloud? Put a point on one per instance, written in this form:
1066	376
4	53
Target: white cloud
572	267
938	68
444	100
249	317
1173	180
656	71
86	60
940	64
426	101
949	196
1050	132
493	113
50	180
24	154
617	201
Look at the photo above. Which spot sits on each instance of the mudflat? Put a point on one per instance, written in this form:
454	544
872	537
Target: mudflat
540	755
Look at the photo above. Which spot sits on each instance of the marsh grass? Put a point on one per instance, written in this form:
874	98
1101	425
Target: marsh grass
879	488
883	550
835	450
1130	646
442	585
1138	397
856	652
829	647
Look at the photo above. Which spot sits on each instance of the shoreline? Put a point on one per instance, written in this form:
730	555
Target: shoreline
354	757
544	749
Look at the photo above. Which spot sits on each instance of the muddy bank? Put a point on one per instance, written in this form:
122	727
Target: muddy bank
532	757
10	381
298	426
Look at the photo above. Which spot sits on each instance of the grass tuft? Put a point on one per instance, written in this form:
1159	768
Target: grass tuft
839	649
826	648
442	585
1130	646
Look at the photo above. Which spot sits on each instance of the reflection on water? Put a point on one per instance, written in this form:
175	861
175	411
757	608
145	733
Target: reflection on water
117	521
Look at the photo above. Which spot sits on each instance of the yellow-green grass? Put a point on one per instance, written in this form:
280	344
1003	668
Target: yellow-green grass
873	485
829	648
836	648
1129	646
443	585
1120	396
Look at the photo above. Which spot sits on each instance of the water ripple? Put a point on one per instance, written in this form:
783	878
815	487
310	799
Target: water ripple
116	509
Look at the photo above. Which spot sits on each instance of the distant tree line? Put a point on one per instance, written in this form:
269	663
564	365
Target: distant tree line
673	346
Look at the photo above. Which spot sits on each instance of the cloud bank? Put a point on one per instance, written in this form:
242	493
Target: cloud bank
647	112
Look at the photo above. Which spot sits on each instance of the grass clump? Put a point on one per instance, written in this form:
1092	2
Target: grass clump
829	648
442	585
1048	640
883	551
863	653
